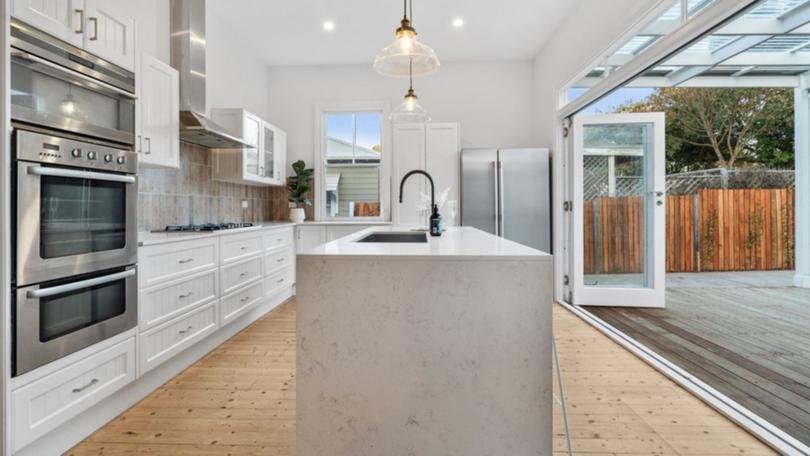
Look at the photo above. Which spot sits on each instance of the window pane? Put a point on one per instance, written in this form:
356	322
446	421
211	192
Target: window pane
369	132
352	168
339	136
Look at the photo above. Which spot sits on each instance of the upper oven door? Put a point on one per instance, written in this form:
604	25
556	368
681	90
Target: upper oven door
71	221
46	94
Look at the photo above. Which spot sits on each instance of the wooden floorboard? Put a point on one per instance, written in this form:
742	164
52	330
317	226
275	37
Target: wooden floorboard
750	343
240	400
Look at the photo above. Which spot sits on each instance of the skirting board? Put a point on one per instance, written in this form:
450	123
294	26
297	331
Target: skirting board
801	281
756	425
68	435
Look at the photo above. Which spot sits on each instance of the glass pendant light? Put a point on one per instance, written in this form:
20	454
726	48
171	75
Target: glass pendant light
406	56
410	110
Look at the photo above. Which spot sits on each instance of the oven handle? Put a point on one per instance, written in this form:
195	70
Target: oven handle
59	289
61	172
36	59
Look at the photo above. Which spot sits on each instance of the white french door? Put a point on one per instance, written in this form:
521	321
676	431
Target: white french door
616	220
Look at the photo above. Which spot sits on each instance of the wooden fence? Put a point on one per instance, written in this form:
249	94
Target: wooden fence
712	230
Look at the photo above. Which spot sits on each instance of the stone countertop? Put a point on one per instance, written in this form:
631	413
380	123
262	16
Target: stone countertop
344	222
456	242
146	238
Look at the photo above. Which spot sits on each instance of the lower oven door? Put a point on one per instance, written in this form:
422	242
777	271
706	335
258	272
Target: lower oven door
72	222
58	318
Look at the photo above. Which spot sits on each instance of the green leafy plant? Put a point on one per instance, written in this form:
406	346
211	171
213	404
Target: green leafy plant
299	185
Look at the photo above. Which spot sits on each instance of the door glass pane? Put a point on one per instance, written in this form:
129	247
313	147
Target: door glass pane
252	134
269	152
68	312
616	205
81	216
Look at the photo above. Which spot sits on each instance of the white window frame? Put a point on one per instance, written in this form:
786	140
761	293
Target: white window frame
321	109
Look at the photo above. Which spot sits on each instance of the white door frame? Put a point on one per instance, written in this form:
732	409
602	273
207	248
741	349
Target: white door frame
655	218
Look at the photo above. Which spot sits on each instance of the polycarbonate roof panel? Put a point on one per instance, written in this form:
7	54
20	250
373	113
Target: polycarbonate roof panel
782	43
692	7
636	44
711	43
772	8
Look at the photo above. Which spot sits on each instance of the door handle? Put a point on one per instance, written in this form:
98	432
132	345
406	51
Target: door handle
80	12
94	20
90	175
140	143
495	196
148	145
73	286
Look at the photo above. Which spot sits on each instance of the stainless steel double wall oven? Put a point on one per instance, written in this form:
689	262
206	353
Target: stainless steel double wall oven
75	187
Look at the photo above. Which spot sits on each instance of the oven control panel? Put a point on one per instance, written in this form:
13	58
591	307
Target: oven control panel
43	148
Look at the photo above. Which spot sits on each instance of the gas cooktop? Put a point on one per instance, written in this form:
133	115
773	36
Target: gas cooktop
206	227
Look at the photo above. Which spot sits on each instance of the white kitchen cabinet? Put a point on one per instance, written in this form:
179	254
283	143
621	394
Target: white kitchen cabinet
338	231
307	237
261	164
158	142
88	24
63	19
274	154
432	147
109	34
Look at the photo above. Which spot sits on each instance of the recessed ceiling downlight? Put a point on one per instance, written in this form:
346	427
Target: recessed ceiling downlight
458	22
328	25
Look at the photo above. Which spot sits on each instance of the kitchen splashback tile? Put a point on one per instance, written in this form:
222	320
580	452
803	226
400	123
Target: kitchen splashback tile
190	195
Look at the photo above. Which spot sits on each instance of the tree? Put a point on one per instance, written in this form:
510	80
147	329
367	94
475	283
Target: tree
723	127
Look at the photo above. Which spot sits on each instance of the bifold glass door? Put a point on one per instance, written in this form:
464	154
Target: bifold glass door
617	210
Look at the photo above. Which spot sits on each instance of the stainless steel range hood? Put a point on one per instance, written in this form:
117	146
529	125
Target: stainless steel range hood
188	58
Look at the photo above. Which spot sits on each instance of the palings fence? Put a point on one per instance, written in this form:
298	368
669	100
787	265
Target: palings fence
711	230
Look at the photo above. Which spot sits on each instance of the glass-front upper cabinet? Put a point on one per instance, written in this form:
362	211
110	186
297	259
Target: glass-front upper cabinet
260	164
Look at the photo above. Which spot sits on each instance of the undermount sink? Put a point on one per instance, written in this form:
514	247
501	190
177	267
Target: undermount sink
389	237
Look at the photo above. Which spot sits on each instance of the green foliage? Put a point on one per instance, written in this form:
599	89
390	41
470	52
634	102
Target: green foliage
723	127
300	184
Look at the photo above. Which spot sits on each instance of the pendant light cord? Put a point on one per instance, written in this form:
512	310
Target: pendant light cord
410	73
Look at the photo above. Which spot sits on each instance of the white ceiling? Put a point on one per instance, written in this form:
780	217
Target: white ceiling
290	32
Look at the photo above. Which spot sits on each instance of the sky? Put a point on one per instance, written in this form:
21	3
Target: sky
369	128
616	98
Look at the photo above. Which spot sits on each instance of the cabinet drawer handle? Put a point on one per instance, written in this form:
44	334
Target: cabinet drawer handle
183	331
280	260
189	260
279	239
246	298
80	12
148	145
80	389
243	274
183	296
94	20
243	248
280	280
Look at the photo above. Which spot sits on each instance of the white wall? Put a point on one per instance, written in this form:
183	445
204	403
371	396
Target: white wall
492	100
236	77
579	40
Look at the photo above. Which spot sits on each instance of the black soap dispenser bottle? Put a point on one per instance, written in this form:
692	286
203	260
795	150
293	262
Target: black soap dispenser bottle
435	222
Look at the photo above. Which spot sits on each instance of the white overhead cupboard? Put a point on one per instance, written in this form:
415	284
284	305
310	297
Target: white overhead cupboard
262	164
87	24
158	139
434	147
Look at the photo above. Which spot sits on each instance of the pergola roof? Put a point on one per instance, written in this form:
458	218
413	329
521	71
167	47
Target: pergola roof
769	45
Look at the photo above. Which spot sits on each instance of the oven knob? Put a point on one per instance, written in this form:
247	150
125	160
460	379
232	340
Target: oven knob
91	155
76	153
108	158
121	160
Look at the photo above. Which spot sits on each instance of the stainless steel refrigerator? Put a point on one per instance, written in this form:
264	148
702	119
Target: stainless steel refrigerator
507	192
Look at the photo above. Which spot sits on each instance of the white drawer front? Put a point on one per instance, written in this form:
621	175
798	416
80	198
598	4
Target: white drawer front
164	302
47	403
240	246
240	274
163	342
165	262
277	260
278	238
240	302
279	280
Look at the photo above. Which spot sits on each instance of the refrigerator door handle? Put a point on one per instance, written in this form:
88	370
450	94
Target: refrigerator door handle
501	211
495	198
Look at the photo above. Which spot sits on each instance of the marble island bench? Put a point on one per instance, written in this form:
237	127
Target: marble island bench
434	348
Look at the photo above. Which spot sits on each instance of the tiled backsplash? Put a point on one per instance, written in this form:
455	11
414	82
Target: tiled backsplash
190	195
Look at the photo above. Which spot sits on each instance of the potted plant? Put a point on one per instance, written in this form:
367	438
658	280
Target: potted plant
299	187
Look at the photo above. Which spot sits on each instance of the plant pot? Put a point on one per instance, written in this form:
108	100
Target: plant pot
297	215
